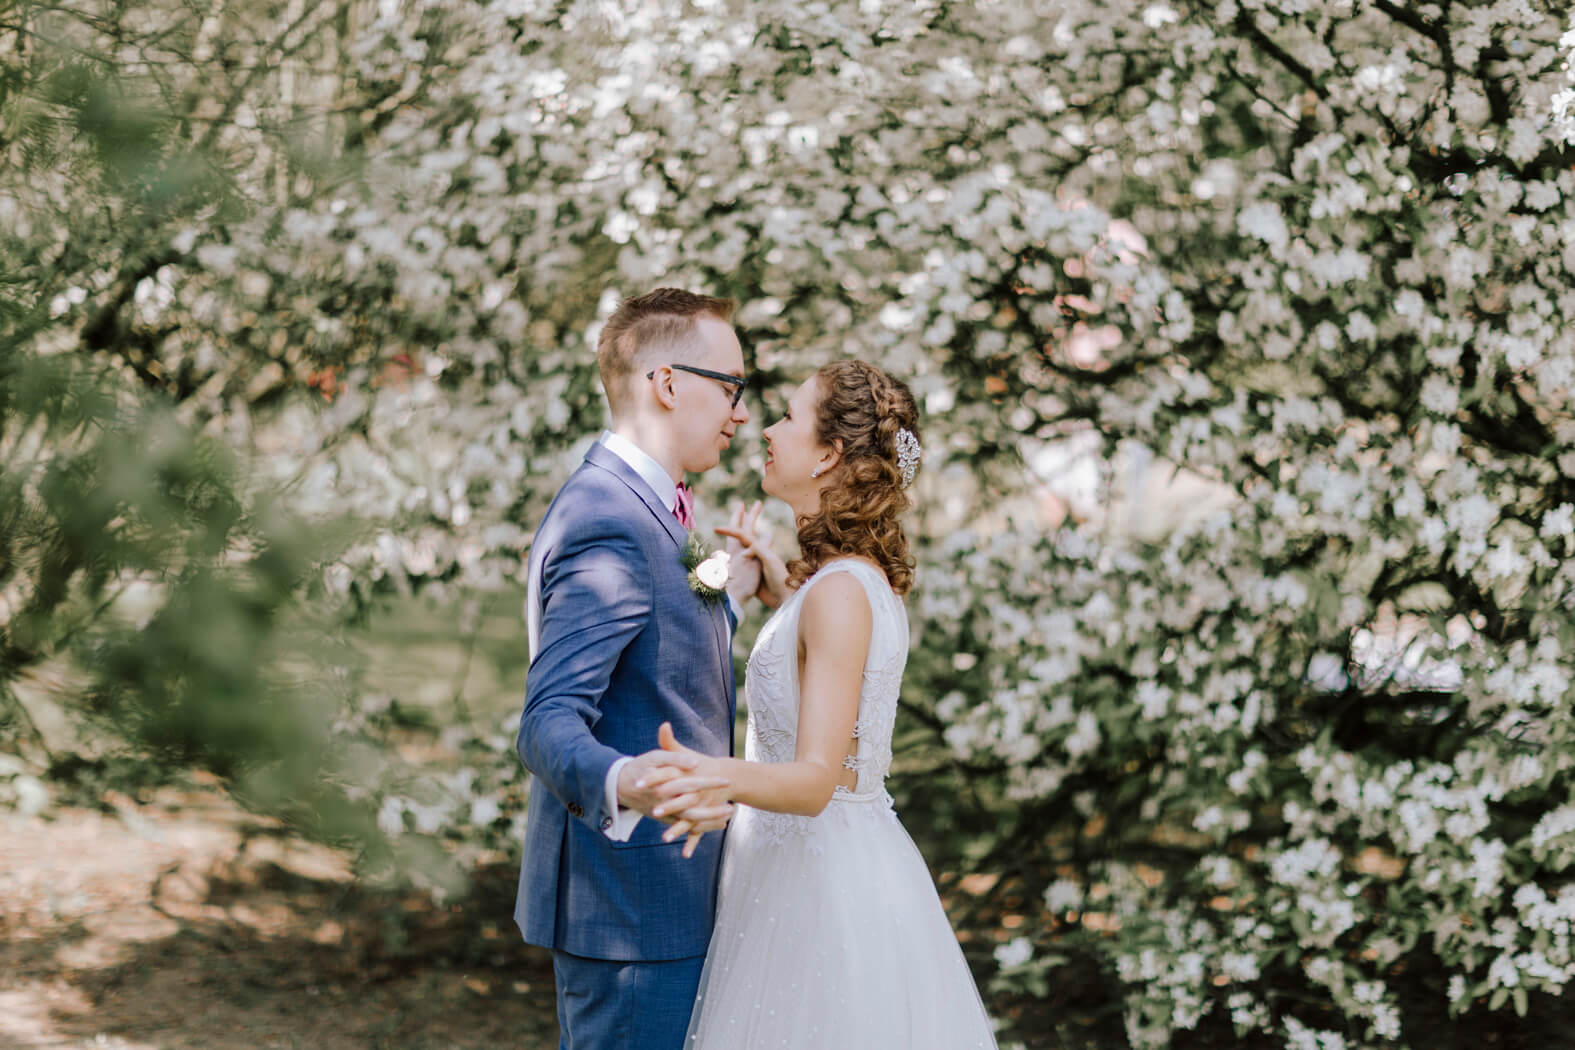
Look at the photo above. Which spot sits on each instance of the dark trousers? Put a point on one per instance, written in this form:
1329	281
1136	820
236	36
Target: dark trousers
608	1005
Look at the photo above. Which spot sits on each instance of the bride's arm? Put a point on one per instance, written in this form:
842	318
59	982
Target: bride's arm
834	625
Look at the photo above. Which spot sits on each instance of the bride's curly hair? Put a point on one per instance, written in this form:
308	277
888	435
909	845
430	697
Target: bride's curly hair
861	409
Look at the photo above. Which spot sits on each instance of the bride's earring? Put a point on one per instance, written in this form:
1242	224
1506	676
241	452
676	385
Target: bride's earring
815	473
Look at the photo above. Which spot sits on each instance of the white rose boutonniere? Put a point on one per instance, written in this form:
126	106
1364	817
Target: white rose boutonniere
708	570
713	571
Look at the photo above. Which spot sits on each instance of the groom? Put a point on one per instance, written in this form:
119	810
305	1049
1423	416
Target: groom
620	644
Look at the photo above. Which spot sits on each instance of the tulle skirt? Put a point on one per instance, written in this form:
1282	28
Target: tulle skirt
829	935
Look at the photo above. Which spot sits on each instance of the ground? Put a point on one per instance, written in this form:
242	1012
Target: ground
186	924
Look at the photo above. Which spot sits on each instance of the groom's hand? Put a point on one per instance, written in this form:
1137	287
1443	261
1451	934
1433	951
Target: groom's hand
696	801
641	780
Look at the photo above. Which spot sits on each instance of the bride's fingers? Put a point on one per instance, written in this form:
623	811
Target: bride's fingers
745	529
743	532
700	819
684	786
710	818
659	775
698	814
680	804
673	809
695	835
693	826
748	542
686	781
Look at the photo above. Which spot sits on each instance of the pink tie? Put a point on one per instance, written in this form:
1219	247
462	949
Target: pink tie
684	506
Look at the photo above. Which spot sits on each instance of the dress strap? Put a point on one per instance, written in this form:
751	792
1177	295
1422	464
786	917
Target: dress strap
873	579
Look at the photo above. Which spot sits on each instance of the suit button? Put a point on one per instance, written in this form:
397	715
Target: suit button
576	809
606	823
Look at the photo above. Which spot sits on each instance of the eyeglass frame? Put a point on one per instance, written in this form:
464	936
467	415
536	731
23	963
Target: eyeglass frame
737	382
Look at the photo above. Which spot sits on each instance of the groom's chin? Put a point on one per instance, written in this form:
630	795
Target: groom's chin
701	464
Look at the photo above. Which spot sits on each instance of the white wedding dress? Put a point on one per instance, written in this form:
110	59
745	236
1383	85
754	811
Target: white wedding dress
829	932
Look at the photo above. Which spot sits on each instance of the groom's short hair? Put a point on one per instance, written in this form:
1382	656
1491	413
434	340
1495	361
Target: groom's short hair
659	324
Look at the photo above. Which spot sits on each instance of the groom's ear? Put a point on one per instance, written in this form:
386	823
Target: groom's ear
661	380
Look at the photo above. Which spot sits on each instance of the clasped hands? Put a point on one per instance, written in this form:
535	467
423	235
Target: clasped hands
678	786
755	570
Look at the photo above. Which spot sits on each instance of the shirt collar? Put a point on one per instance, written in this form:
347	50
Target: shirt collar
650	471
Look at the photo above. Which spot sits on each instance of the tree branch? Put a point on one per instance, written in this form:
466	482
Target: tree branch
205	143
1246	25
1436	33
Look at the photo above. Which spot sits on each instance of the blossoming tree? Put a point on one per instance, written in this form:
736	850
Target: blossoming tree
1303	741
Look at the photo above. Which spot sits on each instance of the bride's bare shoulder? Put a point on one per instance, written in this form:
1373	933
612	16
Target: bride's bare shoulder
835	602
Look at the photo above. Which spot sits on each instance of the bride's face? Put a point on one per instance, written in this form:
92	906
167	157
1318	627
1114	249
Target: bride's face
794	455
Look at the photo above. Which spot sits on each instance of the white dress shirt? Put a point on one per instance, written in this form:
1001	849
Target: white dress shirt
665	489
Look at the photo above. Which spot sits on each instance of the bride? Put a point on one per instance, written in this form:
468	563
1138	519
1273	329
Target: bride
829	931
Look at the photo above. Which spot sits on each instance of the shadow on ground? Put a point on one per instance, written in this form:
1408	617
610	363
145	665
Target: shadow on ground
183	926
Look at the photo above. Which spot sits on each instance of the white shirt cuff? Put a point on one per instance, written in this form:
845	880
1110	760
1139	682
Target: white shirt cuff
623	820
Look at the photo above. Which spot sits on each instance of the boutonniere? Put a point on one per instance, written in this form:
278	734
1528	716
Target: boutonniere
708	569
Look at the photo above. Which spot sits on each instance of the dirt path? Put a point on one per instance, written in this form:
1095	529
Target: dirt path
186	924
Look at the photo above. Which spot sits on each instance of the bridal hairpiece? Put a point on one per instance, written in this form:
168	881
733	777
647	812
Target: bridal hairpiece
908	454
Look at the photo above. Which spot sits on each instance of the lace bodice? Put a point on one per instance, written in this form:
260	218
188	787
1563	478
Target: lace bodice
771	683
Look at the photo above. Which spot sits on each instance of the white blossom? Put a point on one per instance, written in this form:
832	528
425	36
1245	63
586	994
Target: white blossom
1014	953
1559	523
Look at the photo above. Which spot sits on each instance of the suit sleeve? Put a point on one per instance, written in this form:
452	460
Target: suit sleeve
595	598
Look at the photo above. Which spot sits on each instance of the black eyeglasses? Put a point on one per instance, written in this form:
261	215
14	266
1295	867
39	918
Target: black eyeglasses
735	382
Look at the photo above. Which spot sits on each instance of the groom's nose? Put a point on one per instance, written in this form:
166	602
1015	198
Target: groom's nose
741	412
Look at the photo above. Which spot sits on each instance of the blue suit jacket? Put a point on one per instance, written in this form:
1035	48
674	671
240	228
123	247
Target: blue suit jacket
625	645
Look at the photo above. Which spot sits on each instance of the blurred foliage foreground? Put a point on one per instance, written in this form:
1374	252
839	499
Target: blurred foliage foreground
1239	706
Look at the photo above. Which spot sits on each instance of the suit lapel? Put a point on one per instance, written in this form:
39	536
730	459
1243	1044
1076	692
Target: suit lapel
608	461
719	632
599	455
724	642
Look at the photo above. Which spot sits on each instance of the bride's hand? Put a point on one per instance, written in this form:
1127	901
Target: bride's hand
743	570
692	801
745	537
